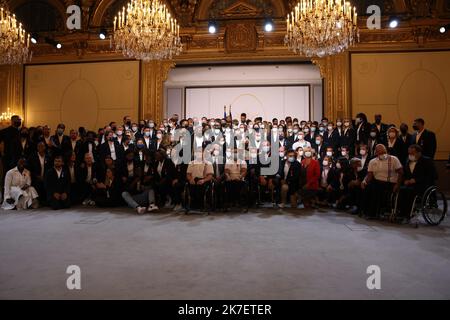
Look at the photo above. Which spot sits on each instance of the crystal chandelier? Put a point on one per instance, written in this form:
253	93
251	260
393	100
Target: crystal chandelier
146	31
14	41
321	27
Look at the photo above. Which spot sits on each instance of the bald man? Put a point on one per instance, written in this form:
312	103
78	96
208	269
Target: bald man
383	177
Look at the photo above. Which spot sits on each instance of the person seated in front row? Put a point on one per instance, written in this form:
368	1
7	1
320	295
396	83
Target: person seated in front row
108	192
87	178
352	192
218	176
312	168
198	174
383	177
19	194
235	175
165	176
39	163
289	175
419	174
329	182
57	184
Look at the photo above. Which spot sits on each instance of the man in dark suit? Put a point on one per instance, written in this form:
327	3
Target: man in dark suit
406	138
164	175
348	136
60	143
39	163
11	138
289	174
419	174
88	146
57	184
111	148
380	127
424	138
75	143
362	128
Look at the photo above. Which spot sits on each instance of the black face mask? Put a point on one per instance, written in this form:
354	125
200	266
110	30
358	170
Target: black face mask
415	127
17	124
24	135
403	130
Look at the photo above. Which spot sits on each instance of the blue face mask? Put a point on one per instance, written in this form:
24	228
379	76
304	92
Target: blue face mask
291	159
140	145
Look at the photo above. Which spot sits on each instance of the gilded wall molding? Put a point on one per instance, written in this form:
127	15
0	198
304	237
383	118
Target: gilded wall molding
153	75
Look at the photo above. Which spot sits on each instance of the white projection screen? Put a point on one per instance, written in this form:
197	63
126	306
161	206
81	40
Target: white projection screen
265	101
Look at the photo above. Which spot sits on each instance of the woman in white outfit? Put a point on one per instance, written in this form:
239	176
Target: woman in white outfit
19	193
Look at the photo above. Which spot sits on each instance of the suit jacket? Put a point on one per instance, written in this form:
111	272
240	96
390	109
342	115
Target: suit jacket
427	141
294	175
168	172
84	148
332	177
35	165
364	132
82	173
348	138
53	184
396	149
11	138
331	139
323	150
104	150
382	131
77	147
62	148
424	174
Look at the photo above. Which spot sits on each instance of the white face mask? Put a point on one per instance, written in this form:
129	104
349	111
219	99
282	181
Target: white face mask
147	133
329	153
338	165
383	157
330	128
119	133
228	154
362	152
373	134
347	124
317	142
412	158
344	153
159	135
339	124
308	154
281	154
134	129
253	155
325	163
266	149
300	137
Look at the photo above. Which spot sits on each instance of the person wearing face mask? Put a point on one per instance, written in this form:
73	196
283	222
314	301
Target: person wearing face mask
119	134
424	138
420	173
365	158
393	143
380	127
348	136
60	142
111	148
319	147
289	177
339	128
158	142
301	142
372	141
331	137
57	185
218	177
329	182
235	177
75	144
384	176
165	178
312	169
363	129
352	178
26	145
329	152
311	134
199	174
345	152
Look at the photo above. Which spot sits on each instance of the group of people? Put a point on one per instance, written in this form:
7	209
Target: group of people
349	164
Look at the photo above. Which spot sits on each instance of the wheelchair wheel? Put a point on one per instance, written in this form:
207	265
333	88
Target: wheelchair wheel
434	206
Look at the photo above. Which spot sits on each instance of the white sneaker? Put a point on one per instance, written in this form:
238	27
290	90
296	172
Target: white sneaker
92	203
140	210
85	202
178	207
281	205
152	208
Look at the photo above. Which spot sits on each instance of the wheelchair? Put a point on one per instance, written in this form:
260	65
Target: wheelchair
208	199
432	204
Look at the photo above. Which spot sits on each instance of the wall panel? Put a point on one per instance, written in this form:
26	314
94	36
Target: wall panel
81	94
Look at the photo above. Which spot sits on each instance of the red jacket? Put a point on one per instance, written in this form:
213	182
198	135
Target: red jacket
312	174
